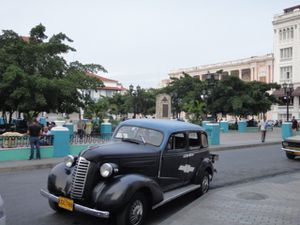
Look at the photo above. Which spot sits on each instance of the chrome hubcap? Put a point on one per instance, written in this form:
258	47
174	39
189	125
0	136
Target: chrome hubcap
136	212
205	184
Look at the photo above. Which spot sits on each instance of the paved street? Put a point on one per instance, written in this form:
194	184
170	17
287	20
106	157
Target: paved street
239	168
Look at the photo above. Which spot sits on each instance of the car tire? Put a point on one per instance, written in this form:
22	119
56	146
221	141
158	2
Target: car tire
290	156
134	212
55	207
204	182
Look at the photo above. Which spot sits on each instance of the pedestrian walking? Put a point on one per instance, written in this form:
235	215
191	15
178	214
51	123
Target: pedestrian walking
34	132
80	128
263	128
295	125
88	127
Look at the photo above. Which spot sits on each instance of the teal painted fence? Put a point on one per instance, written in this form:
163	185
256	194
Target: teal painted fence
46	152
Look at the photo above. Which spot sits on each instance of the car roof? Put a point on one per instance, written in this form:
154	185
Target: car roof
166	126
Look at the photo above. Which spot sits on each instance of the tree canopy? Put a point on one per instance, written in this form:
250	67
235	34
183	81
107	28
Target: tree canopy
34	76
229	95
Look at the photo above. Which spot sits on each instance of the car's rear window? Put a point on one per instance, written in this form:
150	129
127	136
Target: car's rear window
141	134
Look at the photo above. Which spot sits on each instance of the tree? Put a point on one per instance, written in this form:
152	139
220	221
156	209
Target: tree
34	76
186	95
236	97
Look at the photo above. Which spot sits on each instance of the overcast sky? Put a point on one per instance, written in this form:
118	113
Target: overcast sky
140	41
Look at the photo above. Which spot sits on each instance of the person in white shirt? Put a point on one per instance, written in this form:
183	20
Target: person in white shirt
263	128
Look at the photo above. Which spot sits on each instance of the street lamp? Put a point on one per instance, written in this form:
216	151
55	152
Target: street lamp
288	90
211	78
135	94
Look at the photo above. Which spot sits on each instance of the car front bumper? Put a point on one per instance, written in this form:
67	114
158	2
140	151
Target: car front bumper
292	151
77	207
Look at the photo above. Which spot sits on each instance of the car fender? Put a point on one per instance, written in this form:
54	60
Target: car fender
206	165
60	179
113	194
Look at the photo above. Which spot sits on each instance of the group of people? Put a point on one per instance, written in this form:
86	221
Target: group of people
84	128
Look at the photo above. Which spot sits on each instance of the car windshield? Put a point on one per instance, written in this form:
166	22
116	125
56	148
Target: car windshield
140	135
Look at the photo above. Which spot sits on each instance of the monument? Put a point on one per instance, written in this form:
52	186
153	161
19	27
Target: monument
163	106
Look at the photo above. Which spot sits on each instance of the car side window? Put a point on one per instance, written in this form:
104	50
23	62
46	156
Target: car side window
204	142
177	141
194	140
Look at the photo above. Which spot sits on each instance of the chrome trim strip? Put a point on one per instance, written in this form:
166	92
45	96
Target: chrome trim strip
187	190
290	150
77	207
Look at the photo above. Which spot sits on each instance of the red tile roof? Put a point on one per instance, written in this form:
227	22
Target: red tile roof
101	78
25	38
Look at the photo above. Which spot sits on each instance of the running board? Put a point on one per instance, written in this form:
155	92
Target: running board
171	195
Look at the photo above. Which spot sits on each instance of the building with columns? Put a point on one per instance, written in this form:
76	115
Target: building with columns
287	60
258	68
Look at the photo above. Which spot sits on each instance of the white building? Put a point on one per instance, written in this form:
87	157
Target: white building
258	68
287	59
110	88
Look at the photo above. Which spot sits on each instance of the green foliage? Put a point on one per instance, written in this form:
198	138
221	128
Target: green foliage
230	95
35	77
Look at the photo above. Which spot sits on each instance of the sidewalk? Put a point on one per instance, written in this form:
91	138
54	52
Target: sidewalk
271	201
231	140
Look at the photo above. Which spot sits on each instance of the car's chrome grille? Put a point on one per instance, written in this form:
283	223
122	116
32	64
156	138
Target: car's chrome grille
79	178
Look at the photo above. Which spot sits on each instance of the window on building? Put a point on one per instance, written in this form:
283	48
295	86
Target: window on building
286	53
286	34
286	73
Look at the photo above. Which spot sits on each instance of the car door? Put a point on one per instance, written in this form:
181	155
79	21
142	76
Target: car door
197	151
174	159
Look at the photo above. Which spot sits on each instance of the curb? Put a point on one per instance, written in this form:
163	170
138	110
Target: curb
225	148
49	165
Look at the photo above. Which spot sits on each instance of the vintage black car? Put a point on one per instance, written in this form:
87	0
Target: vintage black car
147	163
291	146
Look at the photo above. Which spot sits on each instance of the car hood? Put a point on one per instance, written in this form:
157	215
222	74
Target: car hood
117	150
293	139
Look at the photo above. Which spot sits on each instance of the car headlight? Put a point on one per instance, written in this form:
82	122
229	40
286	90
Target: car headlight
69	161
285	144
108	169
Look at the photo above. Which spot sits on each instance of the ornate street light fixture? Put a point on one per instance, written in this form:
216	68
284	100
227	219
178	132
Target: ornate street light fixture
135	93
288	90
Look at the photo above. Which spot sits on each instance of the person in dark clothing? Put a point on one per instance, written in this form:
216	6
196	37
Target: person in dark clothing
34	132
294	124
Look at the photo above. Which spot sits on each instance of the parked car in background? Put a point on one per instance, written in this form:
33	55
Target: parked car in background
291	147
2	213
148	163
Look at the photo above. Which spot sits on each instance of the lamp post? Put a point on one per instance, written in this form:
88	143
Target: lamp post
135	94
211	78
288	90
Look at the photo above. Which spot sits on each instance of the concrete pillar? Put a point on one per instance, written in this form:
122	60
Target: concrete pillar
204	123
70	127
61	143
106	130
214	133
296	107
242	126
286	130
224	126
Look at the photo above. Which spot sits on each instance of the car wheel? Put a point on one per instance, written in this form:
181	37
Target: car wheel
204	182
290	156
134	212
55	207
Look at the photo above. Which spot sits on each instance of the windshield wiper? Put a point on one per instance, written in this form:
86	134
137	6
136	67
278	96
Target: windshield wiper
143	139
131	140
